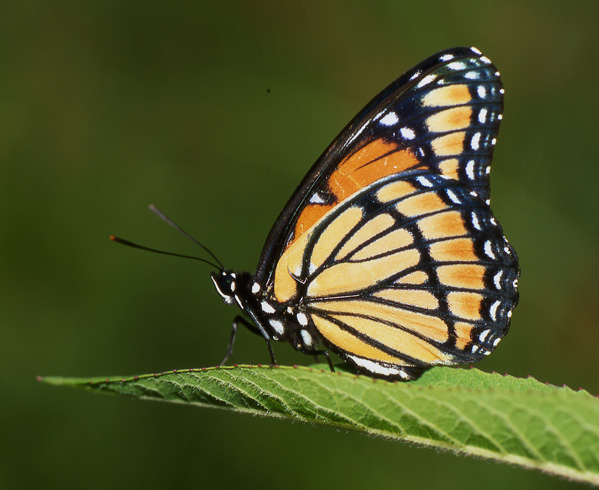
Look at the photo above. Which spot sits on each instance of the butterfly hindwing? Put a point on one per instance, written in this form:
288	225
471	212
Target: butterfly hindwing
442	116
409	272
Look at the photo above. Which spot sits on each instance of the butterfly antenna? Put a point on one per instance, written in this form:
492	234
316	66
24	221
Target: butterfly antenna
170	222
122	241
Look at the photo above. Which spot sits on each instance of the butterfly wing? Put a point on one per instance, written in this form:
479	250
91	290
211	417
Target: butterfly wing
442	116
411	271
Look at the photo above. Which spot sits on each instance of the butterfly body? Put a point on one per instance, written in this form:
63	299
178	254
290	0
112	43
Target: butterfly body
388	254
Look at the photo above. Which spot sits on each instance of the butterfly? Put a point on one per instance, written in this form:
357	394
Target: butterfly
387	254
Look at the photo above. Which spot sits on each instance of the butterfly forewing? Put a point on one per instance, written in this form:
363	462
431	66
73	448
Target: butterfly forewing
442	116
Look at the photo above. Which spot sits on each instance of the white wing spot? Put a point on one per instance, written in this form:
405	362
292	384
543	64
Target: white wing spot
493	221
486	60
407	133
475	143
306	337
316	198
497	279
483	335
509	313
482	116
475	222
472	75
457	65
302	319
424	181
502	91
453	196
489	250
488	170
494	141
266	308
500	116
475	50
446	57
474	349
390	119
493	310
374	367
496	341
277	325
481	91
470	169
415	75
426	80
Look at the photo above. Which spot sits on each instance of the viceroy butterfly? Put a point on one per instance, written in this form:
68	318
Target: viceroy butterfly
387	253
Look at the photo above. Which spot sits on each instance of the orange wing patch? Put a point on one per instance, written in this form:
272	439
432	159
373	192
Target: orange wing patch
374	161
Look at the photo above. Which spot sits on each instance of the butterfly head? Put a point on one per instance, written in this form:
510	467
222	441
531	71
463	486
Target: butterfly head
225	283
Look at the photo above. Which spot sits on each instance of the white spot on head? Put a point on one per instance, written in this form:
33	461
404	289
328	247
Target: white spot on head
426	80
424	181
376	368
489	249
483	335
407	133
255	288
497	279
475	142
446	57
233	286
277	325
470	169
457	65
472	75
306	337
266	308
482	116
389	119
475	50
453	196
493	310
475	221
486	60
234	275
481	91
302	319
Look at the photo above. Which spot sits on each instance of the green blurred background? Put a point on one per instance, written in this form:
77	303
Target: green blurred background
214	111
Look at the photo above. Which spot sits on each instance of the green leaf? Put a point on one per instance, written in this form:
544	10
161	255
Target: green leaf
518	421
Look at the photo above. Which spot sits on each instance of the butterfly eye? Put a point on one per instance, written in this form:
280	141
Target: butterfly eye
225	284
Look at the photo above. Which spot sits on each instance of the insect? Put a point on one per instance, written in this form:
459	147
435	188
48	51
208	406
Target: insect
387	254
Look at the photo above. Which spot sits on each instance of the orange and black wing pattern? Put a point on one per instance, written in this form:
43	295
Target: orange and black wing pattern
388	249
442	116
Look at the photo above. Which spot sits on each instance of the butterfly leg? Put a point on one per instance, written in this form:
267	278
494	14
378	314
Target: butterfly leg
324	353
252	328
236	321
